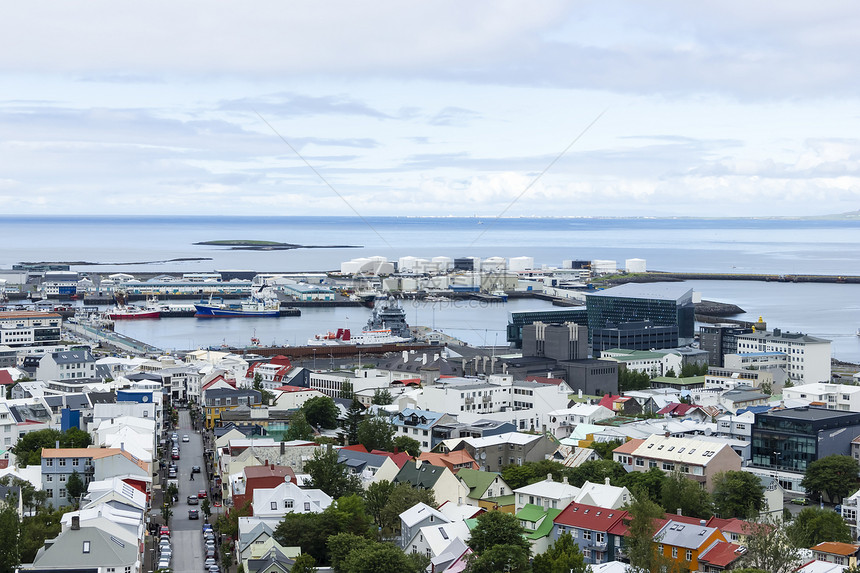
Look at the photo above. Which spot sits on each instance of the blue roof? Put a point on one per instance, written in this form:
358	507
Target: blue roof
425	419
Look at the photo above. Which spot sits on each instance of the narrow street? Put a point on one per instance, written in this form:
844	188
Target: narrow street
186	534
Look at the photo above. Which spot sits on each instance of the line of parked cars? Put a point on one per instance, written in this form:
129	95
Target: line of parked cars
210	551
165	552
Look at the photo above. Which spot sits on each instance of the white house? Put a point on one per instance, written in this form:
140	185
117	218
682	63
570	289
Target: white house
836	396
287	498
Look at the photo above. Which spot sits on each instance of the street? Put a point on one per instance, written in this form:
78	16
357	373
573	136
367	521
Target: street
186	534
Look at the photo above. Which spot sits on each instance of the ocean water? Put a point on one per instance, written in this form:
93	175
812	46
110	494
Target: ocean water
703	245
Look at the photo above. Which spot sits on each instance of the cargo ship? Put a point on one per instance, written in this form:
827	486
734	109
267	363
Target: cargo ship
217	308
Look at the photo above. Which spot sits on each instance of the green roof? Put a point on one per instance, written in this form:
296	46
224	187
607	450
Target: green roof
478	481
531	512
502	500
681	381
545	527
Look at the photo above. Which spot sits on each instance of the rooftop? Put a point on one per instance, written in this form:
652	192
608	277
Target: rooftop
655	291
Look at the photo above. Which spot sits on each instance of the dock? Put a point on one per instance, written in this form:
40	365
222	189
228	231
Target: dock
110	338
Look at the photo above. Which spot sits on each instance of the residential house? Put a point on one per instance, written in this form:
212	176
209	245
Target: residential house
484	487
589	525
495	452
698	460
58	464
842	397
538	524
276	502
839	553
621	405
99	546
547	494
681	410
445	485
256	477
365	464
419	425
288	397
65	365
416	517
434	540
721	556
218	400
603	495
256	538
562	422
454	461
682	542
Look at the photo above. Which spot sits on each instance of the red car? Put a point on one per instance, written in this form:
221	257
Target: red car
164	530
201	494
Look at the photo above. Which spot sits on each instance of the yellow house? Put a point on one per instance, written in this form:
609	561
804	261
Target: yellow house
682	543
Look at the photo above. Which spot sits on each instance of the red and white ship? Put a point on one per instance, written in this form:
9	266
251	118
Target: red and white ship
132	313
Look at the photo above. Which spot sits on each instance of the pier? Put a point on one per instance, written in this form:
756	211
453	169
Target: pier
110	338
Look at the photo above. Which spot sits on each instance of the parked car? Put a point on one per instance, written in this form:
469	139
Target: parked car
164	530
193	514
175	455
201	494
185	438
800	501
171	473
209	563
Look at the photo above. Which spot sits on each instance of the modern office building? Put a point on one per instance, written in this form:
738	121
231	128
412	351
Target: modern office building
789	440
719	340
666	305
520	319
568	341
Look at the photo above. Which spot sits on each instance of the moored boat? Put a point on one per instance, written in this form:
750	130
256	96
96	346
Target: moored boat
132	313
217	308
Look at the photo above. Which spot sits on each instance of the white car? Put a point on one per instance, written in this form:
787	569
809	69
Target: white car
185	438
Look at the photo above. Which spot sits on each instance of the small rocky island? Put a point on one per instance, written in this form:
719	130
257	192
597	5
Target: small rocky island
244	245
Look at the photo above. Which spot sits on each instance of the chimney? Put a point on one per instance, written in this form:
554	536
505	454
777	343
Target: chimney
564	480
122	446
76	522
549	477
266	463
57	444
580	394
606	481
283	448
405	355
702	522
679	512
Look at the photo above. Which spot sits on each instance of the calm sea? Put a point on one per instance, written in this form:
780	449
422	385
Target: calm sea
708	245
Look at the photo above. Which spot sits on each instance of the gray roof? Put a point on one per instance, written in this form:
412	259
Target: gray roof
783	336
809	413
656	291
684	535
231	393
33	412
105	550
359	459
72	356
102	397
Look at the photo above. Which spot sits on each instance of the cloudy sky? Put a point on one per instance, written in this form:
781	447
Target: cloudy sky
641	108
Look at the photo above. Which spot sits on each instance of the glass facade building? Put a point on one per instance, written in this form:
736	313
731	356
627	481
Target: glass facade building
789	440
663	305
550	316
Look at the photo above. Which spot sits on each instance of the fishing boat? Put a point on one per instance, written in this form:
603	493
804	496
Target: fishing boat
387	325
132	313
217	308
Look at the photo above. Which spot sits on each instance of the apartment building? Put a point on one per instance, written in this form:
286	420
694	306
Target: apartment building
807	357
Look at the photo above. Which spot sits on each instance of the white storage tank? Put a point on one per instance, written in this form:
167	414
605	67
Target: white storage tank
634	265
519	264
604	267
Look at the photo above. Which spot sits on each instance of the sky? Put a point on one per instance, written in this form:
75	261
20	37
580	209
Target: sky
442	108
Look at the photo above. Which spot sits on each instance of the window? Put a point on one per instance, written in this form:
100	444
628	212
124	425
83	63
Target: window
274	505
689	555
62	462
62	493
62	477
307	506
49	462
86	547
49	477
674	553
586	534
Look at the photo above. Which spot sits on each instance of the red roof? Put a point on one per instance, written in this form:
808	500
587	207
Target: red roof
289	388
836	548
621	528
4	464
281	359
408	381
356	448
730	525
721	554
399	459
628	447
219	378
677	409
5	378
590	517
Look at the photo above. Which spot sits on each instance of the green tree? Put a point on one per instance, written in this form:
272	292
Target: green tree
304	564
321	412
401	498
596	471
737	494
650	482
75	488
376	557
206	508
166	513
346	391
350	511
376	433
769	548
680	492
670	373
36	529
382	397
376	497
266	396
498	558
832	476
228	523
563	556
497	528
633	380
814	525
311	531
604	449
409	445
531	472
354	416
642	522
328	475
10	538
340	546
299	428
28	450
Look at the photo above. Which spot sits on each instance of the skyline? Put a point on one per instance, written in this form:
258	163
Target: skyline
430	109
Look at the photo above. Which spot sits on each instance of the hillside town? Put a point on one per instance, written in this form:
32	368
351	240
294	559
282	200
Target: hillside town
619	434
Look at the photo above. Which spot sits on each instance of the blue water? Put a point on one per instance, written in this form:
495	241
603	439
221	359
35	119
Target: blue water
706	245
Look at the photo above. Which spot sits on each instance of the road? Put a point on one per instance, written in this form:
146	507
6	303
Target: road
186	534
